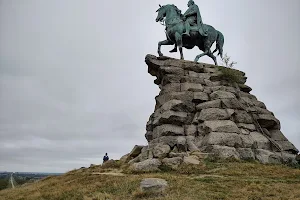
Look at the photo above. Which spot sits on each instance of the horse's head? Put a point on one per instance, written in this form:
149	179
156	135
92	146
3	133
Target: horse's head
161	13
169	9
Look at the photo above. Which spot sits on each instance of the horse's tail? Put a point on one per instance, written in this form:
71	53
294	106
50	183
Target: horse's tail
220	44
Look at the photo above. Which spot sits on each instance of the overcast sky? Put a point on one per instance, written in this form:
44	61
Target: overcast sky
74	85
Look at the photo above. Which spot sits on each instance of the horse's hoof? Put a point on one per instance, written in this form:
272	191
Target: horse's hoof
160	54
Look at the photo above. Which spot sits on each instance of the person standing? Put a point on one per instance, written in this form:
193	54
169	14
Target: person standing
105	158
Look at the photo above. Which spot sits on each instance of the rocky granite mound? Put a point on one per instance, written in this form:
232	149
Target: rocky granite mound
199	109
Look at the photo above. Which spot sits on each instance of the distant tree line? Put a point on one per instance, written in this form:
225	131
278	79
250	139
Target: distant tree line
3	182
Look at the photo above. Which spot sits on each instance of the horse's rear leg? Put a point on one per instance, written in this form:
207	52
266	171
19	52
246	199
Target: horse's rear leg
178	39
200	55
210	54
165	42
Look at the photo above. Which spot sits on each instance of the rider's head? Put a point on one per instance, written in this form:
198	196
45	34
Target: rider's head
190	3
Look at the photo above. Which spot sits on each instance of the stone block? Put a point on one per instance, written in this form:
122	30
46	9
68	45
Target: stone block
170	117
137	149
172	162
246	153
223	139
171	87
194	87
241	116
223	151
268	121
168	130
161	151
260	141
209	104
262	155
288	147
183	96
233	104
277	135
167	79
250	127
150	165
226	126
211	114
172	70
190	130
200	97
191	160
247	141
222	95
175	105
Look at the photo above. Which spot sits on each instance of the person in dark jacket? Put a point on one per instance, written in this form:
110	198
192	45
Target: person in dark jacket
105	158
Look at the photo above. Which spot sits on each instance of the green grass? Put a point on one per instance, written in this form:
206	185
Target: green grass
212	180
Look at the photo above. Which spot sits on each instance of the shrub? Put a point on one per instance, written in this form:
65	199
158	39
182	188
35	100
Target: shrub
228	73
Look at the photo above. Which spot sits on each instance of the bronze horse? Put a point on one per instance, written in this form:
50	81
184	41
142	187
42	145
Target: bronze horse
175	28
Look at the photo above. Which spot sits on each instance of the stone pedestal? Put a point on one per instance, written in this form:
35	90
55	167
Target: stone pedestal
200	110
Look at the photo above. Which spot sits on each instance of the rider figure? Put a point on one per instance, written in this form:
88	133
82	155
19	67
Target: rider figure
192	17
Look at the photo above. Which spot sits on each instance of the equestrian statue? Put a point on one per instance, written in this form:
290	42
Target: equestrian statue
187	30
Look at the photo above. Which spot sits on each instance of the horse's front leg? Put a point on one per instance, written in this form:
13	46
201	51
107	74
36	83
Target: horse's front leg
165	42
178	38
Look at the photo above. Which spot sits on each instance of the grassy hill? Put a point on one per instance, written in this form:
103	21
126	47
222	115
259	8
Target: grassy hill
220	180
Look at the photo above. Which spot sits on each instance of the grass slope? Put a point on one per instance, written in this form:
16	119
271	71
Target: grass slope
214	180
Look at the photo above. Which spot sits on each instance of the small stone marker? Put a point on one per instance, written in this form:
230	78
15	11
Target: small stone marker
153	185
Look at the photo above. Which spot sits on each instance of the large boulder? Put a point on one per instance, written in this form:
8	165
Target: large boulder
262	155
247	141
153	185
137	149
176	105
150	165
182	96
222	139
277	135
172	162
210	114
170	117
268	121
226	126
260	141
193	160
241	116
168	130
246	153
288	147
223	151
161	150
